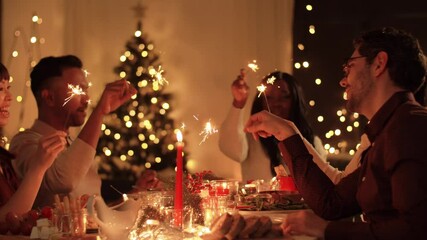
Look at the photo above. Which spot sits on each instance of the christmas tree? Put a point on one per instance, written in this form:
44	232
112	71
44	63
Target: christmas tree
140	134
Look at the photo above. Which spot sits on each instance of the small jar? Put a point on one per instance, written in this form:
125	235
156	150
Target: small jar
79	222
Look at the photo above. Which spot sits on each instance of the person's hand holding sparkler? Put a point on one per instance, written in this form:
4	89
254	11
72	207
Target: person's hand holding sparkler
240	90
265	124
114	95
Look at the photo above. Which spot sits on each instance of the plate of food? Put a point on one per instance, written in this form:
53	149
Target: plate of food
271	201
284	196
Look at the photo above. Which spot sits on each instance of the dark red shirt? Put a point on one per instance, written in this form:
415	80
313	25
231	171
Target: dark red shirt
389	188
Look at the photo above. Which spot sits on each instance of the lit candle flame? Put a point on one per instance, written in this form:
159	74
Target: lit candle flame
74	90
253	66
207	131
158	75
179	136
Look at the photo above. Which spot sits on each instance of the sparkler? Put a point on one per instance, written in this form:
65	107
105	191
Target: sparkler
74	90
253	66
261	88
207	131
271	80
87	73
158	75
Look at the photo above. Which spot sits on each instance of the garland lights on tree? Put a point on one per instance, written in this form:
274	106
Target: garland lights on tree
140	134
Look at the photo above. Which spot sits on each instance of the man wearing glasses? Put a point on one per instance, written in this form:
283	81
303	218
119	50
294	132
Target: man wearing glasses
389	188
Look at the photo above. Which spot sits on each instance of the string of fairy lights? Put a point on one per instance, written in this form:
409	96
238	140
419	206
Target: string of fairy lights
30	50
349	122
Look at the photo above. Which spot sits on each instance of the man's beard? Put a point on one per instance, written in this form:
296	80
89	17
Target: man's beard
359	96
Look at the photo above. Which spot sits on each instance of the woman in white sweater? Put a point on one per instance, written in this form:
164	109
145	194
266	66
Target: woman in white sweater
258	158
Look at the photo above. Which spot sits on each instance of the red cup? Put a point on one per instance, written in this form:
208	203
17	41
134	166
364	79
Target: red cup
286	183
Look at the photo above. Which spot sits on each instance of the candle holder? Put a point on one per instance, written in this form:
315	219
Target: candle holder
224	187
220	200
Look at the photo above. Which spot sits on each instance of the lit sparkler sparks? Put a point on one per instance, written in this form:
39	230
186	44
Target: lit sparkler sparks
74	90
158	75
253	65
271	80
261	88
86	72
183	126
207	131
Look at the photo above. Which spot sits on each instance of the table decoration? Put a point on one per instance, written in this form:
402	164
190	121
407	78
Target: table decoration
113	222
205	201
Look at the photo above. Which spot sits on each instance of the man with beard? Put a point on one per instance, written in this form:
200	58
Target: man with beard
389	188
60	86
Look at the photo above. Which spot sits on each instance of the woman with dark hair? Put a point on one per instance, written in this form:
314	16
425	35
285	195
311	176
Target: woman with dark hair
18	196
284	99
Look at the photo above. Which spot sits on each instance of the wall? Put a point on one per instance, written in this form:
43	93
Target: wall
202	44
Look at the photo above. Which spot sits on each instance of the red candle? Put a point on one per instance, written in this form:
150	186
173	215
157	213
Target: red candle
178	201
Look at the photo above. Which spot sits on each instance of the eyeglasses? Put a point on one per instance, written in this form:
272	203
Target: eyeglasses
347	62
